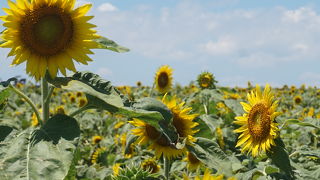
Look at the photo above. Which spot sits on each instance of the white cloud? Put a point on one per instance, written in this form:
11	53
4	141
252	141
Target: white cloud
299	15
107	7
224	45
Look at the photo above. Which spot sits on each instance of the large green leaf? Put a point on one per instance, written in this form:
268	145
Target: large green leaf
209	153
280	158
45	153
105	43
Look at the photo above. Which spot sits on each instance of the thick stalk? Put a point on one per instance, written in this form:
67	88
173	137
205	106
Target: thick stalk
28	100
83	108
44	96
166	162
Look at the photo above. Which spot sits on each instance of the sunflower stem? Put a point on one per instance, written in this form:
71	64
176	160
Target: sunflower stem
166	162
151	90
44	96
83	108
48	98
28	100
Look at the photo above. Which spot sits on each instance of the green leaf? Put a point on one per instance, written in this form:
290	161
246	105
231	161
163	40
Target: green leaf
211	121
105	43
280	157
300	123
209	153
235	106
271	169
4	132
4	93
45	153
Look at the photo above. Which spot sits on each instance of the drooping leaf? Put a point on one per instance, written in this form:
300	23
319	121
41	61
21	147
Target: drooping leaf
105	43
45	153
209	153
280	157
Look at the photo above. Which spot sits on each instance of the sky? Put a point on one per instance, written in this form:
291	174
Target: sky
265	41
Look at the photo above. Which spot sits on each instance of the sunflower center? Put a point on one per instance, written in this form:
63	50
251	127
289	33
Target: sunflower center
205	81
297	100
179	124
163	79
152	132
259	122
192	159
46	30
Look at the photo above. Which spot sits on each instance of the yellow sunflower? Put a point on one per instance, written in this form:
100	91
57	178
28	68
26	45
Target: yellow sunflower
297	99
258	129
193	162
183	123
150	165
96	139
163	79
206	80
48	35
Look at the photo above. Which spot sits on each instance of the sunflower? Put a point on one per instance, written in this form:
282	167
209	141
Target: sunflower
206	80
297	99
163	79
96	139
183	123
99	155
150	165
258	128
193	162
48	35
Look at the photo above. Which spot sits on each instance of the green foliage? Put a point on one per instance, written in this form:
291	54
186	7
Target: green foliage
105	43
44	153
135	173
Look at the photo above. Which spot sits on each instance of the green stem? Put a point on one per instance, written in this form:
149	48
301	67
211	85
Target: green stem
44	96
28	100
49	94
151	90
83	108
166	162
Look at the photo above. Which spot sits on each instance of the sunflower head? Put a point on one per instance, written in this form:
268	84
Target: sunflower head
99	155
96	139
163	79
206	80
150	165
182	122
297	99
258	127
193	162
82	101
48	35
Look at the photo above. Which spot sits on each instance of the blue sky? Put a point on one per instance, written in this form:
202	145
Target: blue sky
265	41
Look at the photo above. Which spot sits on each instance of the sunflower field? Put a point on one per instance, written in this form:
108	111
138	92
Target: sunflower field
80	126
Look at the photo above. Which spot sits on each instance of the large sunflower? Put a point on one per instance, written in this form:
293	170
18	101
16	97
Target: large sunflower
258	128
183	123
163	79
48	35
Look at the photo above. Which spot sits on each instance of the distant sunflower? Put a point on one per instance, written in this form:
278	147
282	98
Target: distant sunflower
297	99
48	35
258	129
183	123
163	79
193	162
206	80
150	165
99	155
96	139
